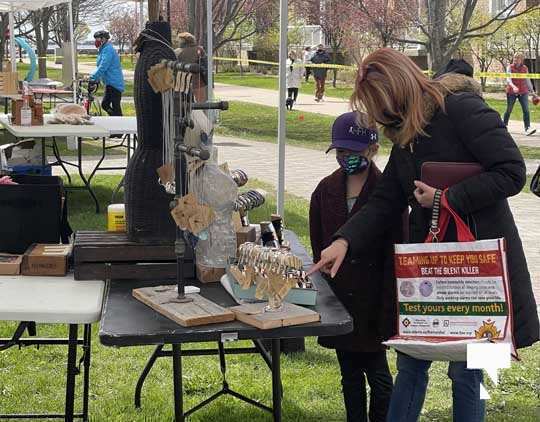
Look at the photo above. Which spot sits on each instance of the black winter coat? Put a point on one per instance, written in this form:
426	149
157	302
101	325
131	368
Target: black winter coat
469	131
365	287
320	57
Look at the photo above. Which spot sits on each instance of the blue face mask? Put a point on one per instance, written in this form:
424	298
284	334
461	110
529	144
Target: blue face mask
353	164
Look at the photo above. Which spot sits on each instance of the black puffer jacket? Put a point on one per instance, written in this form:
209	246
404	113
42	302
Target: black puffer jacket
468	131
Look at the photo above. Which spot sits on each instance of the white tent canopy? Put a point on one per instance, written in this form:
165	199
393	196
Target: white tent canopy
11	6
19	5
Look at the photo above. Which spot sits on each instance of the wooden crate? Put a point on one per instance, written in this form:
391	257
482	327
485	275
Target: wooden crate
109	255
9	83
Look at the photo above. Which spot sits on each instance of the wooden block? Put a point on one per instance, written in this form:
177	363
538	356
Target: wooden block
245	234
253	314
9	83
200	311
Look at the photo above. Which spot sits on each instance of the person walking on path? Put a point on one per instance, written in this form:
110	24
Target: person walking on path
308	54
519	89
109	70
319	73
336	199
443	120
294	79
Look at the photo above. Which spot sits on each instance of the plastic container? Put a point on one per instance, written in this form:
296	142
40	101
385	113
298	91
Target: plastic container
116	218
31	170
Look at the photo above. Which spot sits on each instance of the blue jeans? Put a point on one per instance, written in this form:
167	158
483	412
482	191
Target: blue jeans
410	391
524	101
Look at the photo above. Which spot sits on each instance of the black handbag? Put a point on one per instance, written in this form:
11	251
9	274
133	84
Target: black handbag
33	211
535	182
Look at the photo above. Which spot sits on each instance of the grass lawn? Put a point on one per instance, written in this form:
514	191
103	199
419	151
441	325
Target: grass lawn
344	92
34	379
271	82
56	74
304	129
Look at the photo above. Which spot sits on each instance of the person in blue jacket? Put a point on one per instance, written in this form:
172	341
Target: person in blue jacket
109	70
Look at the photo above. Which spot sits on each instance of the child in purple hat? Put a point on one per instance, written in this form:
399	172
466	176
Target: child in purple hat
366	287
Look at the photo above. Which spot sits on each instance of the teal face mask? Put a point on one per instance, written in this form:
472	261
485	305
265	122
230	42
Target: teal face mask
353	164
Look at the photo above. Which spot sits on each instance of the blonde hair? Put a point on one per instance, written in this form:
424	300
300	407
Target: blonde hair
186	39
391	88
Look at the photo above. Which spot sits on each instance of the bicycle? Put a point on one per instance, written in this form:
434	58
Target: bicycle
86	89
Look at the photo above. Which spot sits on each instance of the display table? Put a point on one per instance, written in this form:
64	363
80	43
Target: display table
124	126
54	131
54	94
103	128
128	322
53	300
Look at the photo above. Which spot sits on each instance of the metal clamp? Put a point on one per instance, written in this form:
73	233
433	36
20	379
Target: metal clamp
226	337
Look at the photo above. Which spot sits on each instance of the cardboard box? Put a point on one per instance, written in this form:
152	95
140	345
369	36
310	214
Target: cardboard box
46	259
9	82
209	274
10	264
245	234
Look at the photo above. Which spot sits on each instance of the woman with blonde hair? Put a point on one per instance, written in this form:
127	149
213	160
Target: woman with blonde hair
444	120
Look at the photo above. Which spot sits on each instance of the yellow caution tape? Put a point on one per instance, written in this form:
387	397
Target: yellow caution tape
353	67
327	66
507	75
331	66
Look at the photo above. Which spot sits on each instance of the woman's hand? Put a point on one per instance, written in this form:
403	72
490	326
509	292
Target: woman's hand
424	194
331	258
515	89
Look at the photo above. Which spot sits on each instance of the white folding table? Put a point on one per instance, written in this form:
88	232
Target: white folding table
124	126
53	300
53	131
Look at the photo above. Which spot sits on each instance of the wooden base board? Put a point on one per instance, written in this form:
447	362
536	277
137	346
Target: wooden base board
253	314
200	311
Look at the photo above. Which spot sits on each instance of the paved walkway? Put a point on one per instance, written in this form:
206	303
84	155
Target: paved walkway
305	167
333	107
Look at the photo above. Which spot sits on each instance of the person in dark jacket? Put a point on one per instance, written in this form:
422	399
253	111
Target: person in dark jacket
444	120
319	73
336	198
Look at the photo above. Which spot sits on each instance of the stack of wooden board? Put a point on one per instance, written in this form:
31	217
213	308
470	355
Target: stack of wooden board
111	256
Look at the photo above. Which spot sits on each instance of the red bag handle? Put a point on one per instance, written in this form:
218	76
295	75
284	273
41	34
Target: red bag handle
464	234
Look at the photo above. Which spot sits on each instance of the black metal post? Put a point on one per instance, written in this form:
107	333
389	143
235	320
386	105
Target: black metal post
71	371
177	383
179	244
87	342
276	380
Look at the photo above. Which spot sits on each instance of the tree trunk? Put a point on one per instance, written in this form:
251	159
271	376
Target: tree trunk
41	29
334	57
197	21
153	10
436	14
191	12
3	27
